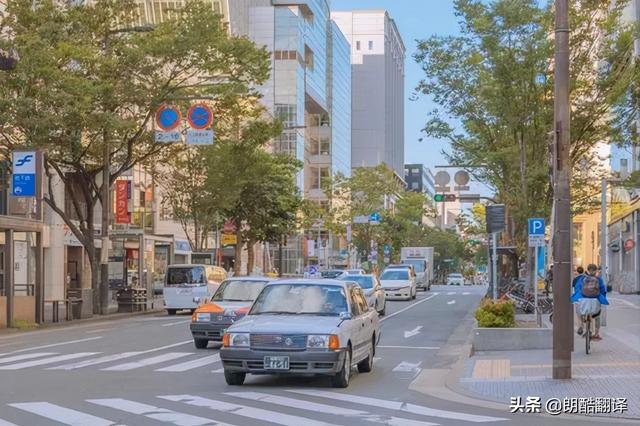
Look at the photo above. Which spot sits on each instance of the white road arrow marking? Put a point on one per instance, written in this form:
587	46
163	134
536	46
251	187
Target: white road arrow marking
405	367
413	332
451	302
466	293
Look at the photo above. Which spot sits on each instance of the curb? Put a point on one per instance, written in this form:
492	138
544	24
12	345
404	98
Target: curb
11	332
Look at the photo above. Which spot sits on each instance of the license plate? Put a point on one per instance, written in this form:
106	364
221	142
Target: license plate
184	291
276	362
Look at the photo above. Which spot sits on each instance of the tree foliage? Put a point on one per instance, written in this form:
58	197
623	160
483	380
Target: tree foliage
90	79
495	80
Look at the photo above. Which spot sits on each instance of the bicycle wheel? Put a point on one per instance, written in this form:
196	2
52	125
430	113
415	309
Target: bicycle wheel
587	335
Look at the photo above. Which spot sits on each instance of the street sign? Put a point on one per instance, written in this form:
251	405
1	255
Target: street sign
168	137
469	198
536	226
536	240
495	218
199	116
122	201
462	180
168	117
374	218
24	174
228	239
387	250
199	137
361	219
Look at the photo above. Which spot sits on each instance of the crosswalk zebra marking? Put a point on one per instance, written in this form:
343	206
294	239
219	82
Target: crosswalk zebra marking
95	361
6	423
62	415
169	356
327	409
50	360
25	356
156	413
397	405
52	345
244	411
466	293
189	365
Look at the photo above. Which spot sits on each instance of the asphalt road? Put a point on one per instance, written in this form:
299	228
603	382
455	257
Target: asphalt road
146	371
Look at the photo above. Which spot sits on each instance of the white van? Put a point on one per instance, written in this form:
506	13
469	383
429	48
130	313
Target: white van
183	283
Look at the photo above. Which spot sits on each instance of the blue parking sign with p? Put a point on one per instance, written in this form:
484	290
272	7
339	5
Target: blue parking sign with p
536	226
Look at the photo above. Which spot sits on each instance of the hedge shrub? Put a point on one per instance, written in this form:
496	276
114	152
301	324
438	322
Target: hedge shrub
501	313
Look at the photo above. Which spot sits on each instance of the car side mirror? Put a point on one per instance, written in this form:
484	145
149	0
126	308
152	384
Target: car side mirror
345	316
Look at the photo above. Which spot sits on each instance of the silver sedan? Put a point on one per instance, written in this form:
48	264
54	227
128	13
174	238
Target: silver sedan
372	290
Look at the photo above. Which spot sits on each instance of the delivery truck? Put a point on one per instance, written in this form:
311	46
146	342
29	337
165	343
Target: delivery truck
422	260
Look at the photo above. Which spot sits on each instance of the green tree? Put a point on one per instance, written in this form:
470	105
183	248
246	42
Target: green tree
89	82
496	81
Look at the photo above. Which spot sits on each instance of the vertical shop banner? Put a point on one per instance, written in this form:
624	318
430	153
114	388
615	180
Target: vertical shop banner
122	208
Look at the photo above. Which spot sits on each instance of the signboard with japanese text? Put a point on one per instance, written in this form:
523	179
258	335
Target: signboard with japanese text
122	201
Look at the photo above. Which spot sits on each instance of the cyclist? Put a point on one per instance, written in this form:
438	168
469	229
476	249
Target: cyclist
591	286
580	271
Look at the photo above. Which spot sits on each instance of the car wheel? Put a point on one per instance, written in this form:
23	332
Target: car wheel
201	343
171	311
341	379
234	379
366	365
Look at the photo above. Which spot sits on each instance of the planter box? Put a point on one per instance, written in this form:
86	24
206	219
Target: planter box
511	339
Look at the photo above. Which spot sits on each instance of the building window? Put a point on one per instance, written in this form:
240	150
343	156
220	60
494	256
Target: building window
358	45
415	185
415	171
370	45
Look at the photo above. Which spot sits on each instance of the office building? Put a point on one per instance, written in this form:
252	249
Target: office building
377	64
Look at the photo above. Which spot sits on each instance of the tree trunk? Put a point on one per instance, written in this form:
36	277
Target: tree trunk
94	264
237	267
251	256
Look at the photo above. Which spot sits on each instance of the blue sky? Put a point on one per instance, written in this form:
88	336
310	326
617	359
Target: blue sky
416	19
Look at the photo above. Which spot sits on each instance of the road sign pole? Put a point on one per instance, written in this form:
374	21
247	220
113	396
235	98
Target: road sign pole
494	265
535	286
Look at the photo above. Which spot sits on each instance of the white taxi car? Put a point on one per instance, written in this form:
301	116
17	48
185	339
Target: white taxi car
303	327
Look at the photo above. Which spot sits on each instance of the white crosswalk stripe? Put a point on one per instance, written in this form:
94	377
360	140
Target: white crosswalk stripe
324	409
396	405
25	356
244	411
190	365
156	413
50	360
6	423
62	415
95	361
169	356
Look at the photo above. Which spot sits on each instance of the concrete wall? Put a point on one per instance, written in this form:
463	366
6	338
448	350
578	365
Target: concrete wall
511	339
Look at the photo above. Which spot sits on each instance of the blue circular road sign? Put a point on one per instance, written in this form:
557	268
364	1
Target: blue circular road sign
168	117
199	116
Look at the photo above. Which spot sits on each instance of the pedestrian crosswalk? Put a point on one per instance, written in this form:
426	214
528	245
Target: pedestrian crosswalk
304	407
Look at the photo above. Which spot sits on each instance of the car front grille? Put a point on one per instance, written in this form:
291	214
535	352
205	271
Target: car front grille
279	341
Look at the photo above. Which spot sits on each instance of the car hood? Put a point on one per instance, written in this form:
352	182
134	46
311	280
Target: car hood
395	283
221	306
286	324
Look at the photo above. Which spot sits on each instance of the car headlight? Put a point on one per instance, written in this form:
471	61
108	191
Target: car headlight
322	341
236	340
201	317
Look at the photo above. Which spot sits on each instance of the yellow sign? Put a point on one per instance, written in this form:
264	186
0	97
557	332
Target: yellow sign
228	239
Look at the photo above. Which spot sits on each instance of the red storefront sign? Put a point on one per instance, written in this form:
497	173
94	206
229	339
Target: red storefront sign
122	208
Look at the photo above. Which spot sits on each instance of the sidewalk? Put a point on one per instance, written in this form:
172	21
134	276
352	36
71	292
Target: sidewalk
612	370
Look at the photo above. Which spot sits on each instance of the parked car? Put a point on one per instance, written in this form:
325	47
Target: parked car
399	284
355	271
455	279
230	302
372	291
333	274
319	327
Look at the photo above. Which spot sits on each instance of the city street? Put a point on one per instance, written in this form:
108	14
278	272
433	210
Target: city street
145	371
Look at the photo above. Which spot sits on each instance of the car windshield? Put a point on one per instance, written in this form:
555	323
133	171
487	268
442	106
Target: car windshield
238	291
418	264
331	274
362	280
186	275
301	299
455	275
396	274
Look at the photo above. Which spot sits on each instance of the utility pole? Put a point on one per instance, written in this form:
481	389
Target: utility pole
563	312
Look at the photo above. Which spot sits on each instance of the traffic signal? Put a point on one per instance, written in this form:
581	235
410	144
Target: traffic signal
439	198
